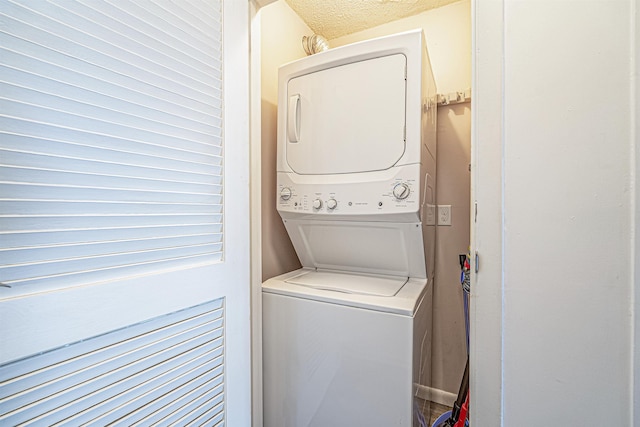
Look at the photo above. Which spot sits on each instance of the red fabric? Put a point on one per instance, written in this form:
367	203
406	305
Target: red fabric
463	413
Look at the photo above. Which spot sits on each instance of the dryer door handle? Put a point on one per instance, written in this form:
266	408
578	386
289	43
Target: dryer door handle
293	119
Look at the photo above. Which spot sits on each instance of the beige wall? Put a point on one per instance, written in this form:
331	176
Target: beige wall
453	188
448	34
280	35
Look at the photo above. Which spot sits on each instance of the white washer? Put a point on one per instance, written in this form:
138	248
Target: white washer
346	339
344	349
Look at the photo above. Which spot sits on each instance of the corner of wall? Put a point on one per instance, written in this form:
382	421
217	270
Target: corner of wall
635	211
280	42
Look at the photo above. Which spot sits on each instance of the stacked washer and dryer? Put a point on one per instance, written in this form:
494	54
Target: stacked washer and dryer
347	338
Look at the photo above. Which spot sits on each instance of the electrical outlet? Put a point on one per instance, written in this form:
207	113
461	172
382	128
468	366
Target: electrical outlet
444	214
431	214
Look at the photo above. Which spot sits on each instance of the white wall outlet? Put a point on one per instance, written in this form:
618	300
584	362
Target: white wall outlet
444	214
431	214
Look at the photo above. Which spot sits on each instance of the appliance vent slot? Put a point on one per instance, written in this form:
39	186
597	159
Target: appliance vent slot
166	370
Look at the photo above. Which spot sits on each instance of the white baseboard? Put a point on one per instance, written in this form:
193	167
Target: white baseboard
436	395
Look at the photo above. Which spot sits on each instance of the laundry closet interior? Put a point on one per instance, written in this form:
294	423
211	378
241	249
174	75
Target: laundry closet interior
447	31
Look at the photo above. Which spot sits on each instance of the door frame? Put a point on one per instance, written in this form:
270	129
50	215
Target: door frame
255	191
487	219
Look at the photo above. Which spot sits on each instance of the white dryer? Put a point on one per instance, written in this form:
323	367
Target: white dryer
346	339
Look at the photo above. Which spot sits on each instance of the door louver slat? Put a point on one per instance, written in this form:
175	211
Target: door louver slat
168	369
110	122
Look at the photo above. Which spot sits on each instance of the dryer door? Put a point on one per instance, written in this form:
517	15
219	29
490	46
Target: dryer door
346	119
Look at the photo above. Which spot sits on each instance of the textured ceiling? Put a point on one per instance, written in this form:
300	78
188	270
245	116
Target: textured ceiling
336	18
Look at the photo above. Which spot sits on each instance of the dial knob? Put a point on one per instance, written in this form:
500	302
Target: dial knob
401	191
331	204
285	193
317	204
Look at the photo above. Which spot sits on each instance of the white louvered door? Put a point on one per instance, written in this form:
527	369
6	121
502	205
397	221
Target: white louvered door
124	207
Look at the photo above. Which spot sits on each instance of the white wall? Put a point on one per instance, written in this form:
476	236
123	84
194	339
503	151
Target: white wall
567	158
448	36
636	221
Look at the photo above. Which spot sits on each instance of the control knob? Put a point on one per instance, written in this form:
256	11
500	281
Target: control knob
317	204
401	191
331	204
285	193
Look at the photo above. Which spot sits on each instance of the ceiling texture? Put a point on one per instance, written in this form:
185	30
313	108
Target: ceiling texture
336	18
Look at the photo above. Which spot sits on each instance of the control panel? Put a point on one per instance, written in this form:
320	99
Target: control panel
399	193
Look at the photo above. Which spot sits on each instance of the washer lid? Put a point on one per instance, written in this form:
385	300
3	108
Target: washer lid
405	302
358	284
